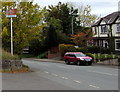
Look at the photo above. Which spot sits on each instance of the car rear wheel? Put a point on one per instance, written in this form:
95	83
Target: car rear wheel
67	62
79	63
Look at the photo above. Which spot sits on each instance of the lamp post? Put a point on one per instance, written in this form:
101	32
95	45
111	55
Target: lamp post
72	24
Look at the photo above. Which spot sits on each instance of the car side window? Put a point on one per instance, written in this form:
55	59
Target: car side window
68	55
72	55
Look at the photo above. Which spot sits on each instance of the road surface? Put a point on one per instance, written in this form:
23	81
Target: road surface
59	76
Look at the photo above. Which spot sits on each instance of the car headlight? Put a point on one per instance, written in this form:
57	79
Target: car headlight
81	59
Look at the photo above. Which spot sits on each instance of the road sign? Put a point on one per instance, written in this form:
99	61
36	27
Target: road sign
11	13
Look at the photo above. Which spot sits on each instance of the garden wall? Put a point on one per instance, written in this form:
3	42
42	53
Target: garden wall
12	64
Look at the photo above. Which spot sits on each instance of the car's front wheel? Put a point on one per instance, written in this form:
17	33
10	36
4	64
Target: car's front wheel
89	63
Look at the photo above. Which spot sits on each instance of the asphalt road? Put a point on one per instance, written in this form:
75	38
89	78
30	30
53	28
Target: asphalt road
58	76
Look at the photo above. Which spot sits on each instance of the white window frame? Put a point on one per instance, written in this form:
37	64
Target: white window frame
103	29
118	28
116	45
104	41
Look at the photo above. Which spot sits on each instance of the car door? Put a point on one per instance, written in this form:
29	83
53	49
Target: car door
72	58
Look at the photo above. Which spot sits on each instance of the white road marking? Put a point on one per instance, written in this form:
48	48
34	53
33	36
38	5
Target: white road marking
116	69
94	86
65	78
54	74
73	68
46	72
102	72
77	81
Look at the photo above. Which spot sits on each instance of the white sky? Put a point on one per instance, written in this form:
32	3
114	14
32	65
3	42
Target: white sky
98	7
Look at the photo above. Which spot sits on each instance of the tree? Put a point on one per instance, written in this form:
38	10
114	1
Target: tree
85	16
26	26
52	38
63	13
81	38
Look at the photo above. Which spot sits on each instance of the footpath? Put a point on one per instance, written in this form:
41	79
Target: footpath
62	61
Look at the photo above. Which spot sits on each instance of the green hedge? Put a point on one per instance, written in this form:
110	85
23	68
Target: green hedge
93	49
103	56
63	48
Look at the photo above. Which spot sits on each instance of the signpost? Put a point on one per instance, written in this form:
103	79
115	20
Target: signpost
10	13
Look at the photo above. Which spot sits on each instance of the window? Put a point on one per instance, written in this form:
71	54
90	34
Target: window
105	44
95	32
117	44
103	29
118	27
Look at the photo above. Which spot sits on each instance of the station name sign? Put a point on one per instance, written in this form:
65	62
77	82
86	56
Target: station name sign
11	13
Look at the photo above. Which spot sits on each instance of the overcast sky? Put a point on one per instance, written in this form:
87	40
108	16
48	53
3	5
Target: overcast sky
99	7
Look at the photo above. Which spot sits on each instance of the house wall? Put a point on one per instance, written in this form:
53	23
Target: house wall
99	34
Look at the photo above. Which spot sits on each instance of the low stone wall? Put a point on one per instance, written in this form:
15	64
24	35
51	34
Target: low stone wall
12	64
110	62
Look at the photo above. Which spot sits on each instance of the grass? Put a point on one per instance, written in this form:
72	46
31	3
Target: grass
8	56
23	69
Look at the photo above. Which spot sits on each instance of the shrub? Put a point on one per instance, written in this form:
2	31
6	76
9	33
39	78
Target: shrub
93	49
82	49
7	55
90	54
63	48
42	55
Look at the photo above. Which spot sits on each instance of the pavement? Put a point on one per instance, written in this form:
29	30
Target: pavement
62	61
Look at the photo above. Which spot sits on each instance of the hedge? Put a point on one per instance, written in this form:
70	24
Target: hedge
63	48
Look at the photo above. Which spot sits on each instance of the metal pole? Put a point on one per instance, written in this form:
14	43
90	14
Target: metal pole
11	37
72	25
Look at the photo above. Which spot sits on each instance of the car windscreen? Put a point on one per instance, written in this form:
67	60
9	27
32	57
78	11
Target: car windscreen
80	55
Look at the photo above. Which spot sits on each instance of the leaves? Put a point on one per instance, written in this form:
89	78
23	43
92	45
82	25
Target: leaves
81	38
26	26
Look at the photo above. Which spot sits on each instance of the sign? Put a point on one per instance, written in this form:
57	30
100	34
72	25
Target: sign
11	13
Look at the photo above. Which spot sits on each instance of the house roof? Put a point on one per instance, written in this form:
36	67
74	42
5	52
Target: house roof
109	19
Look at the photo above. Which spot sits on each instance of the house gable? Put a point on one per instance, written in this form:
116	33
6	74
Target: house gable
103	22
118	20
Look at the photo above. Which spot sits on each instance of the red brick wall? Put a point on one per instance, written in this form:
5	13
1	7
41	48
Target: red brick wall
53	52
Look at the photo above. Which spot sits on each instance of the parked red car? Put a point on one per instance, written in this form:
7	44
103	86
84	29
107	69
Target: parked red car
77	58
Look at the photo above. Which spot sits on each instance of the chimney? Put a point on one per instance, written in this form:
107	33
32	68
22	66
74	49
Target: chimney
119	6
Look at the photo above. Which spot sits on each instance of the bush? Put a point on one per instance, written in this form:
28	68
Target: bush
42	55
93	49
63	48
8	56
90	54
82	49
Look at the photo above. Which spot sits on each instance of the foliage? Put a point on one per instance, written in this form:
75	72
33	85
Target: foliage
63	48
105	56
93	49
65	14
42	55
26	26
85	16
52	37
8	56
81	38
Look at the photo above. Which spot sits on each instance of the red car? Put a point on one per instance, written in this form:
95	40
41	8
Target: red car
77	58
